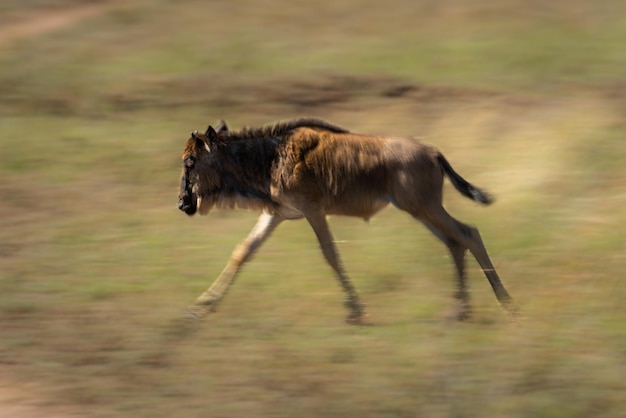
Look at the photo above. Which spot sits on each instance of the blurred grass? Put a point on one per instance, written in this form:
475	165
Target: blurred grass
97	265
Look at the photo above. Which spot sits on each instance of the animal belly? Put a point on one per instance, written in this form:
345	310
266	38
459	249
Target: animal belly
356	205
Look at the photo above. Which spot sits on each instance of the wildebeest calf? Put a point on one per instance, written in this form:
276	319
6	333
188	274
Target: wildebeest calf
308	168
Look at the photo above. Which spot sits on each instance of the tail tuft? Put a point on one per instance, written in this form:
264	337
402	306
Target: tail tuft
463	186
480	195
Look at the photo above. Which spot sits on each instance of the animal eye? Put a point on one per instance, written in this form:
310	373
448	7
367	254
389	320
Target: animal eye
189	161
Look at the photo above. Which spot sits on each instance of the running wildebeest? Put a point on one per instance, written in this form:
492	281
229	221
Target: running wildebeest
308	168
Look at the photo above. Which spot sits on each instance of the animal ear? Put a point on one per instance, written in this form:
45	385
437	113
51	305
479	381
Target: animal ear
210	134
193	134
221	127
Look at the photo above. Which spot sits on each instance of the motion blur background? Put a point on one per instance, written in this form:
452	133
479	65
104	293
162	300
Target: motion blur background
525	98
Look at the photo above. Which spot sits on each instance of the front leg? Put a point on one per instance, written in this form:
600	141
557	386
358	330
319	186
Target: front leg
207	302
317	220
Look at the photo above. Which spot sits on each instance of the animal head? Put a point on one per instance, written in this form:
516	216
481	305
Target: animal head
199	177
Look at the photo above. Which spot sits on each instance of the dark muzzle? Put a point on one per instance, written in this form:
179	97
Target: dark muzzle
187	205
186	201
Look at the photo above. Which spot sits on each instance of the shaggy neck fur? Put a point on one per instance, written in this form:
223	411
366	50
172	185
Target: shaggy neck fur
245	172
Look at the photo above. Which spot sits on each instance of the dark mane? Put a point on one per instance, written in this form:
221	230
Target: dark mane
280	129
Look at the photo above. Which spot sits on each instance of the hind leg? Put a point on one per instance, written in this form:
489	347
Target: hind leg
464	236
457	250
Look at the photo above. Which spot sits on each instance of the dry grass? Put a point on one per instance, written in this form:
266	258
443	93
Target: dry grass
97	265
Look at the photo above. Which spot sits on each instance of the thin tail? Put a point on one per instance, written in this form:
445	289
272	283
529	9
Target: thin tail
462	185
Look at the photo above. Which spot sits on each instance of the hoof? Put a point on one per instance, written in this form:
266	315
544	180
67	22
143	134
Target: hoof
516	314
361	319
460	311
357	315
198	311
463	314
513	309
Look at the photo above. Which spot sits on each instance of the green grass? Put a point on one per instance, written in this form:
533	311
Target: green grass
97	265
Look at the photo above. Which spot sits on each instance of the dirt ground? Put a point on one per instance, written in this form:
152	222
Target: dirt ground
19	397
40	22
27	399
